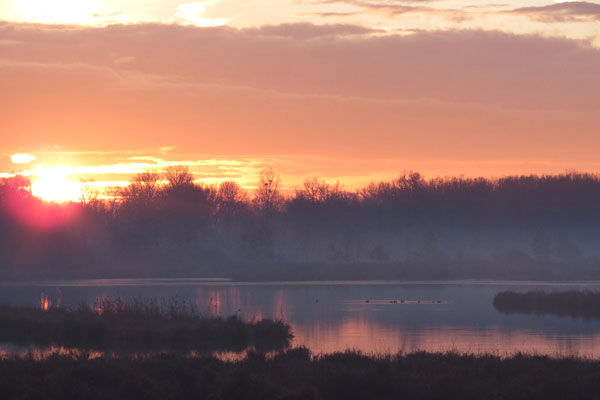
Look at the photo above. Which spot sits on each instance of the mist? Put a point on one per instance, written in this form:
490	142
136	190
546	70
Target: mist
167	225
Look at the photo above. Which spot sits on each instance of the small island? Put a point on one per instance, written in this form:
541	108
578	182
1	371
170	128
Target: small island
573	303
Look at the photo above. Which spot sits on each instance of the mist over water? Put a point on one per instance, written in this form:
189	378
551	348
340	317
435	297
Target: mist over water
374	317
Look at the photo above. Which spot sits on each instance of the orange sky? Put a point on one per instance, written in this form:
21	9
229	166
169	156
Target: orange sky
492	92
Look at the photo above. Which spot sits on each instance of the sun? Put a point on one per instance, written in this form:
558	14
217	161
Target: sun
53	184
57	11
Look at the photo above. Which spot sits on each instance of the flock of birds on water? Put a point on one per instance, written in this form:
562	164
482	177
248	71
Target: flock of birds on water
418	301
403	301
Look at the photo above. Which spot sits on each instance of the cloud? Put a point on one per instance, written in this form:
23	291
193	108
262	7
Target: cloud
124	60
332	90
334	14
308	31
21	158
568	11
395	8
457	66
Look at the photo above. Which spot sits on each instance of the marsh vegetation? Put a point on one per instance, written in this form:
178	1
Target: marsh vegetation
298	374
113	325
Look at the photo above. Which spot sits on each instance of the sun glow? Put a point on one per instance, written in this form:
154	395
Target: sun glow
53	184
57	11
194	13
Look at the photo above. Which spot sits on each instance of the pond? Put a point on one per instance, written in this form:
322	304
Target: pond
374	317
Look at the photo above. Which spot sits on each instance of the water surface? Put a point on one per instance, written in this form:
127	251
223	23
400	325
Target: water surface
374	317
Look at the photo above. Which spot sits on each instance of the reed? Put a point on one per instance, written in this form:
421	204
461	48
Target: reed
117	326
298	374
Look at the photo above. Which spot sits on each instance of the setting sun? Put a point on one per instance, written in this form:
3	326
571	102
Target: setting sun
53	184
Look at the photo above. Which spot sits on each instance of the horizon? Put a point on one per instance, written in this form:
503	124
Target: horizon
55	184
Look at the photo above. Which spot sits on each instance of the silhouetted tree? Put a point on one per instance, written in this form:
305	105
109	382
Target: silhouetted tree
232	199
178	176
316	191
112	199
232	192
268	198
142	189
89	194
17	186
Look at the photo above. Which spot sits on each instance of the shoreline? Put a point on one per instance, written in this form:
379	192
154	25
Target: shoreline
299	374
196	281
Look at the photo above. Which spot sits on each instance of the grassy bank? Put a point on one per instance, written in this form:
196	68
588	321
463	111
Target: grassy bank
581	304
295	374
115	326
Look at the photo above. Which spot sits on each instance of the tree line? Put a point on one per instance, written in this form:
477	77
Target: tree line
169	223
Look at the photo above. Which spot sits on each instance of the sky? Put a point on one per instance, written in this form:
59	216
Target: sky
348	90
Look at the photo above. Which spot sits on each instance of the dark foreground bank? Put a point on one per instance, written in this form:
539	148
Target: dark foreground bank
120	327
574	303
295	374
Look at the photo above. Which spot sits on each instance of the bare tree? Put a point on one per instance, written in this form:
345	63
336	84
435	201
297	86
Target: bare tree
313	190
231	192
268	197
143	188
89	193
232	200
113	195
317	191
178	176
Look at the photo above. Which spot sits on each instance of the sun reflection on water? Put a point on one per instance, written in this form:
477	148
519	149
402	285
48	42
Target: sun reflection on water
45	302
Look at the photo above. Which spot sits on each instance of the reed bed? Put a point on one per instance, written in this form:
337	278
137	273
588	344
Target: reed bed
114	325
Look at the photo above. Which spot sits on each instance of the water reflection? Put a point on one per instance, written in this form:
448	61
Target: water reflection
8	350
371	317
371	337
